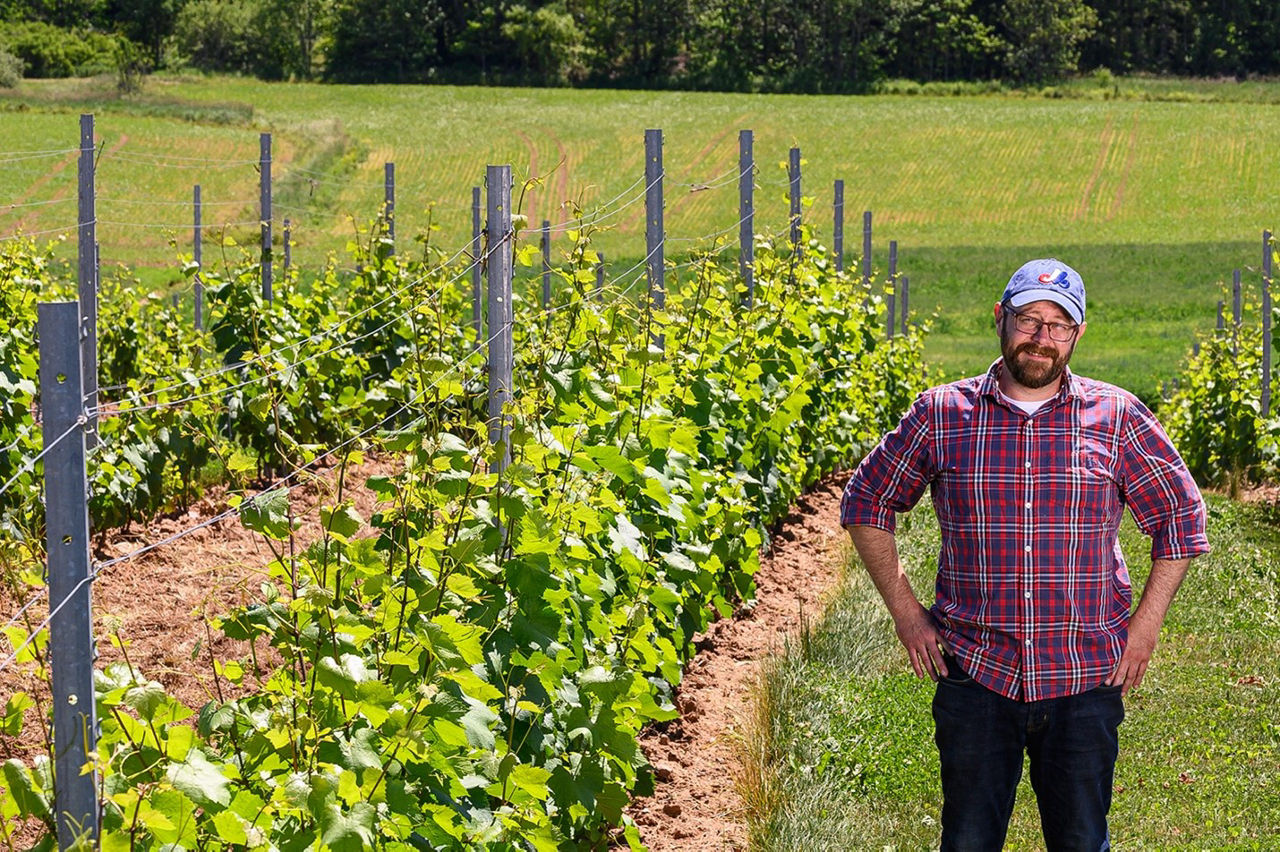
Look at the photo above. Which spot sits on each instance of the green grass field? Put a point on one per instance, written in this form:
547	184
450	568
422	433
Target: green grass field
1154	202
851	761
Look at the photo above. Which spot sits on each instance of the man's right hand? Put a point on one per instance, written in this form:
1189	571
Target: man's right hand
925	645
913	623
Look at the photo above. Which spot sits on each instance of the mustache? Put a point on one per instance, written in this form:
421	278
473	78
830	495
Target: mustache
1033	349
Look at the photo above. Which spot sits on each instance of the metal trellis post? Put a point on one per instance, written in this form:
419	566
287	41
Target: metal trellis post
866	249
389	202
891	293
837	205
546	264
87	257
1266	323
75	731
501	361
600	277
906	291
1236	310
746	212
477	321
264	210
655	238
197	254
287	241
793	177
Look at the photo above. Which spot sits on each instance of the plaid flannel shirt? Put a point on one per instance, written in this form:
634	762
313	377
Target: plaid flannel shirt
1032	591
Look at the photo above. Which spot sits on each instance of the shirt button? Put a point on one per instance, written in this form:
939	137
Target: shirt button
1027	465
1028	642
1028	505
1027	595
1026	548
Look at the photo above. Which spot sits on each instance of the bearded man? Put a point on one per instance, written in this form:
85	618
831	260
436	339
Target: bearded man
1029	640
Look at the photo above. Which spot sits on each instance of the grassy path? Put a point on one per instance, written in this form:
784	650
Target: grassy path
849	752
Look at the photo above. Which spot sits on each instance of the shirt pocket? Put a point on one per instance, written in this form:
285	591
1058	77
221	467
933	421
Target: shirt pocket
1094	493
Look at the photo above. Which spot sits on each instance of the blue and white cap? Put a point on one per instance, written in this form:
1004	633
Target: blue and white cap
1047	279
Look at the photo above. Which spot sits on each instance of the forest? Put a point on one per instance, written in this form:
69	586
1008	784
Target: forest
825	46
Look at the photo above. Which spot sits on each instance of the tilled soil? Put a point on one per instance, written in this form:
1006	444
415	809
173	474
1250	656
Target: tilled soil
695	805
158	603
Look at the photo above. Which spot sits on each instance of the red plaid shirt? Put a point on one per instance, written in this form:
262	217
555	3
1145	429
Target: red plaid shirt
1032	593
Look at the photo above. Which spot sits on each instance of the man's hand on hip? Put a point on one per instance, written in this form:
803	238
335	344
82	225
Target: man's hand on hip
1137	654
925	645
912	622
1144	628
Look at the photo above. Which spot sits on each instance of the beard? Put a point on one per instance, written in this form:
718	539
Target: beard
1030	373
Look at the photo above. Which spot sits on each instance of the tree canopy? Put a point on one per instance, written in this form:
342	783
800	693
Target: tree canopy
742	45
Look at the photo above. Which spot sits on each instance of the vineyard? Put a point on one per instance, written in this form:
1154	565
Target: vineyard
466	652
475	668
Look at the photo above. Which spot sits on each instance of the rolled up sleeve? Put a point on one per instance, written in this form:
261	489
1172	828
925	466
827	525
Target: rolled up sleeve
1160	492
893	476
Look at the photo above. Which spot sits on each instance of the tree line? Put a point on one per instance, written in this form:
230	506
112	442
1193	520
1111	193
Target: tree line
739	45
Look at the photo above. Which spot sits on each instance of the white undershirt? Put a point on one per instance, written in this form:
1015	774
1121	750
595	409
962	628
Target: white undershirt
1030	406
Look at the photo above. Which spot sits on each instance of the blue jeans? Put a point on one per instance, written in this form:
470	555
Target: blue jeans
981	737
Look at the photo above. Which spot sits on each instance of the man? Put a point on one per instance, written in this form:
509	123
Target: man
1030	638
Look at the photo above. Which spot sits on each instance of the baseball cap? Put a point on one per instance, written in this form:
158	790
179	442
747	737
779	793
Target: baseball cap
1049	279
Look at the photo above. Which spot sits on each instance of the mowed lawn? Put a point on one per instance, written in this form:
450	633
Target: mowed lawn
1154	203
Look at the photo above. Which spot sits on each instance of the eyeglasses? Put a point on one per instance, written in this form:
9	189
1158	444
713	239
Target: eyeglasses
1030	326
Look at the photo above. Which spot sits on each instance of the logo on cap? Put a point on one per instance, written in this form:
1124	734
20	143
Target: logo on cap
1057	276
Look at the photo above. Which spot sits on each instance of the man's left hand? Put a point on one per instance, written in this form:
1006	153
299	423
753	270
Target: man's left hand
1144	628
1137	654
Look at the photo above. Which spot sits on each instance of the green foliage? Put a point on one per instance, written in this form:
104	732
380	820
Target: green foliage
265	384
475	673
215	35
1215	415
1044	37
10	69
272	39
48	51
148	23
394	41
547	41
822	46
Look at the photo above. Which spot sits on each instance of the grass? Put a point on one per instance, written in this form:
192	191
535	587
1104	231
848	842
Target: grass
848	751
1160	197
